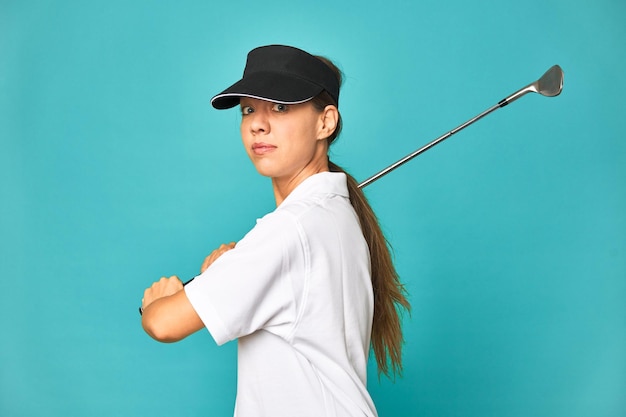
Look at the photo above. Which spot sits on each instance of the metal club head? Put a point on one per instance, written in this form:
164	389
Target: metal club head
551	83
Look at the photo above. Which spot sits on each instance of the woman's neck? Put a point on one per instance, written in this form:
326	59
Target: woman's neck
284	186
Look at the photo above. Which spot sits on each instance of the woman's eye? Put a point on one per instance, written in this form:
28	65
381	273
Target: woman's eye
246	110
280	108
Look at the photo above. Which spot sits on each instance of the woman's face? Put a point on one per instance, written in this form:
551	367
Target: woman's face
284	142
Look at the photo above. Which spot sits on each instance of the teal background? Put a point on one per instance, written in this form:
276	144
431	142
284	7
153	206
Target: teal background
510	236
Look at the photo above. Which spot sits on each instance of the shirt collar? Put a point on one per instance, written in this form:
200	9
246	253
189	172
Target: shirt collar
323	183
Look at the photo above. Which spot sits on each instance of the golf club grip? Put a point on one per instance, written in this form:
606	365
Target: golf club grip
184	283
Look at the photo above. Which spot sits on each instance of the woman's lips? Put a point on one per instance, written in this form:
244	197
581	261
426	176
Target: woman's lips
262	148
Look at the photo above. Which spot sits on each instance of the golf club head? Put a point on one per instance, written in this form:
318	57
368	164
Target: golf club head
551	83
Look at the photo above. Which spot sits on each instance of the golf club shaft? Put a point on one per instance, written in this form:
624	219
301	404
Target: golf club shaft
424	148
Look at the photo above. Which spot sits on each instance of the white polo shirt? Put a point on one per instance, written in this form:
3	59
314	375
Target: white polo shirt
296	292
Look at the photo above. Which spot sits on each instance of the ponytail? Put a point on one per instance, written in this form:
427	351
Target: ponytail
389	292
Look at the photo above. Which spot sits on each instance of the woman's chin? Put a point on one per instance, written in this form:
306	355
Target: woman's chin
267	169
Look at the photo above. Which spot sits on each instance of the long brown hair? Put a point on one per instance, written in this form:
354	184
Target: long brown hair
389	292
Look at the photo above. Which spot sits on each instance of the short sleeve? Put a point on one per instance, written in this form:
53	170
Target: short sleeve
255	285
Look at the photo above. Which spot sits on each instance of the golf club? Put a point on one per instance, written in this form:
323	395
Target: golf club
549	85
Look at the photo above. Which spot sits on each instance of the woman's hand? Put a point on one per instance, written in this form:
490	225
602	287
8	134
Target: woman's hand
161	288
216	254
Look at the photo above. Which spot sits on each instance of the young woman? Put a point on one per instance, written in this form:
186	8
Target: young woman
312	286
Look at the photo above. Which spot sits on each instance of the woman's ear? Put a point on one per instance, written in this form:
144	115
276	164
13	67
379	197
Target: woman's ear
329	119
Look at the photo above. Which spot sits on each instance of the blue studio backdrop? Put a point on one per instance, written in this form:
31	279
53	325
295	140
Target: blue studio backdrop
510	236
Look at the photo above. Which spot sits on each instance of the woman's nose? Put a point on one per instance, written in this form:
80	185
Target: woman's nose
259	123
